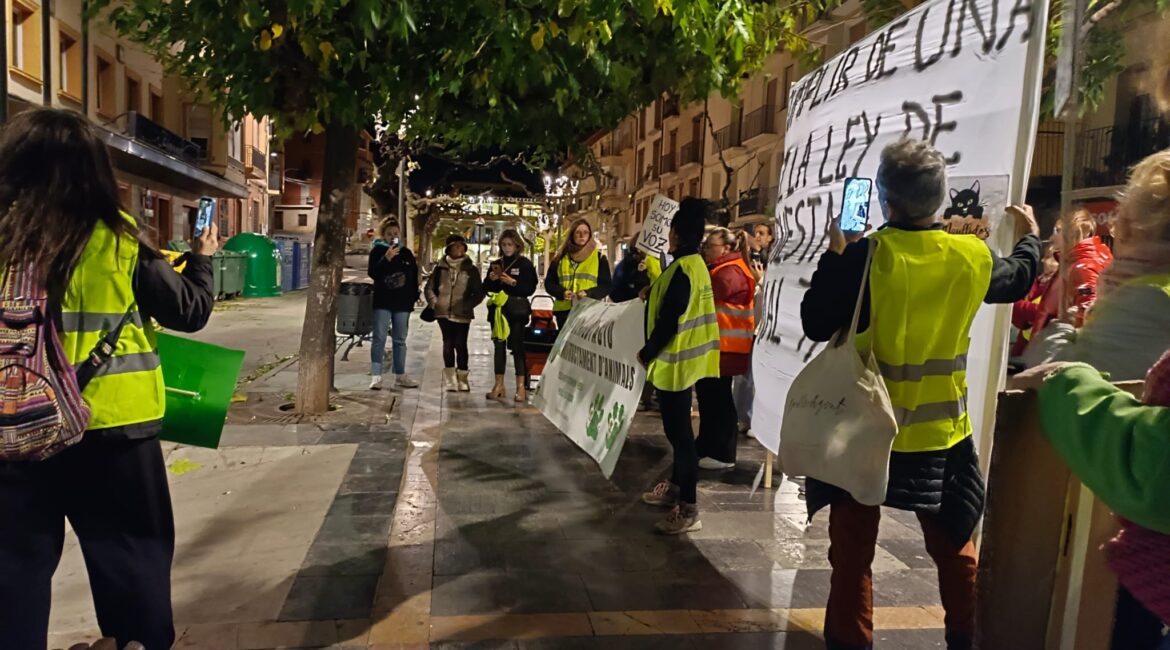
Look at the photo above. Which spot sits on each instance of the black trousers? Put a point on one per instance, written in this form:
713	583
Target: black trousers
516	342
676	422
115	495
561	317
454	343
717	419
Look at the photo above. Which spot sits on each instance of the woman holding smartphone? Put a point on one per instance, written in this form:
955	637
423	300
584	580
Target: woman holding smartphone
394	271
514	276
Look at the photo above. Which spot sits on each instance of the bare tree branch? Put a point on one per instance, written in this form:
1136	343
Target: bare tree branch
727	168
1097	17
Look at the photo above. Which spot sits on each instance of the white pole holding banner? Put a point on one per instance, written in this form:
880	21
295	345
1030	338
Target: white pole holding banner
1021	172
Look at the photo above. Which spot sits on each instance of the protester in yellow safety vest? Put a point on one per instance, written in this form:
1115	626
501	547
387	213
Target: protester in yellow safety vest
578	271
682	348
734	287
59	215
634	273
924	289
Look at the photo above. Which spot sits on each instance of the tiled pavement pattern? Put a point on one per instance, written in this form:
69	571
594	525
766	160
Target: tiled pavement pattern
501	534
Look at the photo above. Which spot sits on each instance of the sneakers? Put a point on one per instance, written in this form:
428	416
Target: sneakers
376	382
663	494
449	380
684	518
404	381
711	463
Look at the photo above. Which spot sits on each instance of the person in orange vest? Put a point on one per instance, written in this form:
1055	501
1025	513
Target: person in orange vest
734	286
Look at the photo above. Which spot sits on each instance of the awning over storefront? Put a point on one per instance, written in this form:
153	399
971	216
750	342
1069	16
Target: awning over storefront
140	159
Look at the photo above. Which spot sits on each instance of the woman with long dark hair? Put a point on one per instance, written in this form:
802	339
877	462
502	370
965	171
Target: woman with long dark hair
511	279
61	225
578	271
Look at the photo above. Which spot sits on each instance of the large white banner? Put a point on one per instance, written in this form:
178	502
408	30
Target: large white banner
592	383
963	74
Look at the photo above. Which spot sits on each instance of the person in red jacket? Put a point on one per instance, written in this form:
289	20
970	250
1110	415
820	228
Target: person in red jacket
1078	271
1034	309
1086	260
734	287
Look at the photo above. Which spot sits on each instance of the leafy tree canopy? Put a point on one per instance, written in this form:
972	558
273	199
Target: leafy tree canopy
533	75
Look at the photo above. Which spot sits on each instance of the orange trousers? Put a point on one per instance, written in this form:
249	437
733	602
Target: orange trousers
853	531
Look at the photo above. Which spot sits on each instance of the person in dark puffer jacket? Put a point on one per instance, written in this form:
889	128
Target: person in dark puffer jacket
920	343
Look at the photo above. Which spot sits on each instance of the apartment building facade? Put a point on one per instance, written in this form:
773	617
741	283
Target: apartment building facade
302	159
169	148
724	149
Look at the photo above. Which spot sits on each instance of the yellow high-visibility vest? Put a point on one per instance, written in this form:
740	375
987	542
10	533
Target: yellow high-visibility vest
693	353
925	288
128	389
576	277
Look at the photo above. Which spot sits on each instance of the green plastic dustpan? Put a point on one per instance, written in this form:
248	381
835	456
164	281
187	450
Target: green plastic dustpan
200	380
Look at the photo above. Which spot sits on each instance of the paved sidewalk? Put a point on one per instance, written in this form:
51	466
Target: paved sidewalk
439	520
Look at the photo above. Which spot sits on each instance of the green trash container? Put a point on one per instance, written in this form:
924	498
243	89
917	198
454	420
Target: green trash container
179	246
217	273
233	273
262	264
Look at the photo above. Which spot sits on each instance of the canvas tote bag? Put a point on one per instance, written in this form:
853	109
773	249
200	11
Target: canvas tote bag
839	425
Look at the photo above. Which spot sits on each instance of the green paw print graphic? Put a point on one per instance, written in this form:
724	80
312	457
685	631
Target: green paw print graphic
596	415
617	419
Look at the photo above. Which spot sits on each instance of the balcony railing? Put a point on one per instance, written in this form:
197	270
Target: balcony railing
759	122
1047	155
1105	155
757	201
689	153
670	107
750	203
144	130
728	137
668	163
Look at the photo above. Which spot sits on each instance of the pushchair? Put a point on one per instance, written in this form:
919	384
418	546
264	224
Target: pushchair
539	337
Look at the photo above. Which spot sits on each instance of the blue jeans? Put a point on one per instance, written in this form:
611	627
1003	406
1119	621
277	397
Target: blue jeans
386	321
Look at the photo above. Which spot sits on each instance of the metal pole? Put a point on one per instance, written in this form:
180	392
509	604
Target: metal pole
402	218
46	53
1068	164
4	18
85	57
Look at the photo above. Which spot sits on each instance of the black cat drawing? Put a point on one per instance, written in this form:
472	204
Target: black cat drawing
965	203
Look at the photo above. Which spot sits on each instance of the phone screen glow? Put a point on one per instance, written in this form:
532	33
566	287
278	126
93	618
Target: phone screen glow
855	206
206	212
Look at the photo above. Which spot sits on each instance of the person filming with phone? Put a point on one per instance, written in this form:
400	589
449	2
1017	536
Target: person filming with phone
394	270
925	287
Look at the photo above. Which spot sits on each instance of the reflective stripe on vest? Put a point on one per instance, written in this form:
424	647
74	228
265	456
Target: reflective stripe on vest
921	340
737	323
128	389
693	353
577	277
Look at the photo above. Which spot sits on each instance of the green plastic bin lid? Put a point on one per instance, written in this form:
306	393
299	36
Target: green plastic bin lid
179	246
200	379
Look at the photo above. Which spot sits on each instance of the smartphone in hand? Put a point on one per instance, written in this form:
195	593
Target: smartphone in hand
205	215
855	205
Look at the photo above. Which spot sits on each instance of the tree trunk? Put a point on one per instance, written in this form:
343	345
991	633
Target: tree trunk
315	376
